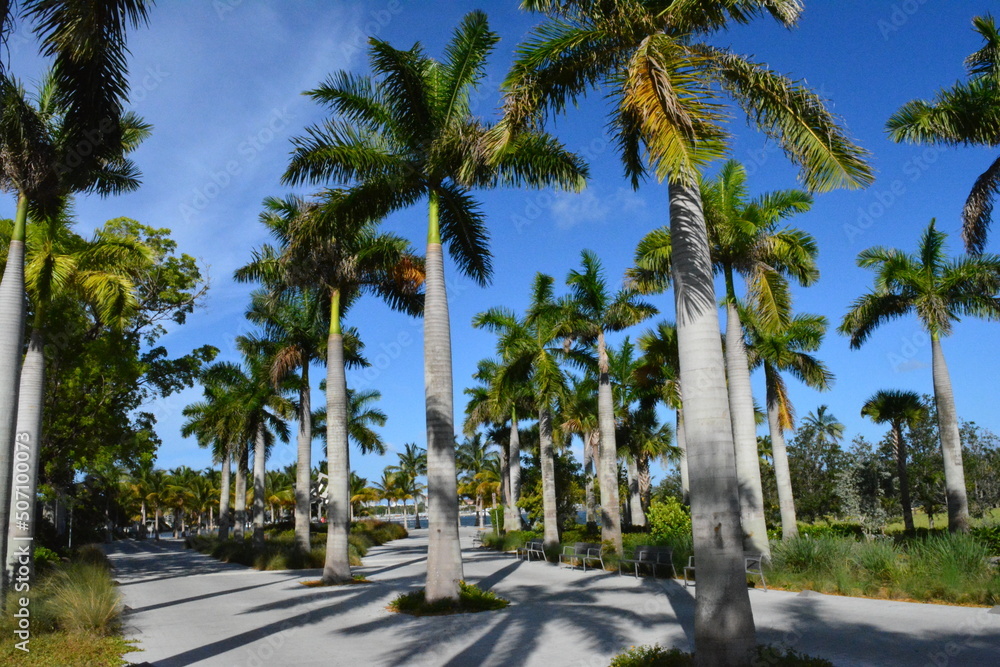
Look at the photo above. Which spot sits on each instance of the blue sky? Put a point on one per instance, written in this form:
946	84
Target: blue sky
221	82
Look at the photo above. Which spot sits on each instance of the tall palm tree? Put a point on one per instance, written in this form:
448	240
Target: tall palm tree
963	115
361	493
413	462
61	265
667	88
471	456
784	348
404	134
660	370
578	409
596	313
40	140
156	484
344	257
898	408
940	291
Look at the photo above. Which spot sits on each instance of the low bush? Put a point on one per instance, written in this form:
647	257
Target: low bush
668	519
471	599
989	537
657	656
511	541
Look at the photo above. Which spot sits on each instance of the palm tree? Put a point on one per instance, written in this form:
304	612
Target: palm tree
824	426
343	257
597	313
40	143
939	291
60	265
361	493
660	370
578	409
403	134
780	348
156	484
413	463
898	408
964	115
666	89
471	457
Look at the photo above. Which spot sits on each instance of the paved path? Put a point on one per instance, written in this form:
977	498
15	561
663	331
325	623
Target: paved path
188	609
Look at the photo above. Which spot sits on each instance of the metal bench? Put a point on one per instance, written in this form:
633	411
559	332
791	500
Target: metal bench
533	547
582	552
753	564
652	556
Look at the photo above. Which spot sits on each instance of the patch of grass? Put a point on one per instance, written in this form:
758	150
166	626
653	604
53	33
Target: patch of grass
59	649
470	600
319	583
656	656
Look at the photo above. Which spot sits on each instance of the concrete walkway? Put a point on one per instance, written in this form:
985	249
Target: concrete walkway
188	609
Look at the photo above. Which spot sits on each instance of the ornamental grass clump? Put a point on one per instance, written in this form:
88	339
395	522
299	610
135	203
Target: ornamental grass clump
656	656
471	600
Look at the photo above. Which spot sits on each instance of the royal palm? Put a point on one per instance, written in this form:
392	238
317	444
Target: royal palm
940	291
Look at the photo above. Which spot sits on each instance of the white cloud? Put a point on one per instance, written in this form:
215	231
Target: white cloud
590	206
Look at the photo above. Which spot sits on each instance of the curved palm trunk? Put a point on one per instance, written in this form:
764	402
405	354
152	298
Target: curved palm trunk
224	496
683	463
337	567
303	465
12	312
904	478
444	553
31	399
779	454
591	445
240	504
607	479
259	472
951	443
636	515
744	431
547	463
724	627
512	519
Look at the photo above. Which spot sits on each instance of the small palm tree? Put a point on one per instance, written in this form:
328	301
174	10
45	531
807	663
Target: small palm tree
964	115
404	134
940	291
413	462
898	408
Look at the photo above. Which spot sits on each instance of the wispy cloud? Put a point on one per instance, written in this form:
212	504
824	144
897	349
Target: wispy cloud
591	207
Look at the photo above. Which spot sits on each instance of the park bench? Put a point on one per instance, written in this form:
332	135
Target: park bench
753	564
651	556
582	552
532	547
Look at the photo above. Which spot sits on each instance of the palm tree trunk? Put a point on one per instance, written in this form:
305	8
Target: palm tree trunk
31	399
638	518
904	478
12	312
645	481
303	466
548	466
683	463
337	567
224	496
240	505
588	470
782	475
723	624
512	519
259	472
611	518
143	510
744	430
951	443
444	553
504	479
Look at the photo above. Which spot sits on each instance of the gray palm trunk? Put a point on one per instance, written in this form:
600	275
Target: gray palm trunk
683	463
224	496
723	624
259	472
607	476
591	446
745	436
904	478
444	554
303	465
546	457
645	481
31	399
504	477
512	518
12	311
951	443
636	515
337	567
782	475
240	505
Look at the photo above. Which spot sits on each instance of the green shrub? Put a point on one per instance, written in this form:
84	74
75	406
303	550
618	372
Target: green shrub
988	536
471	599
82	598
91	554
45	559
511	541
668	520
657	656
